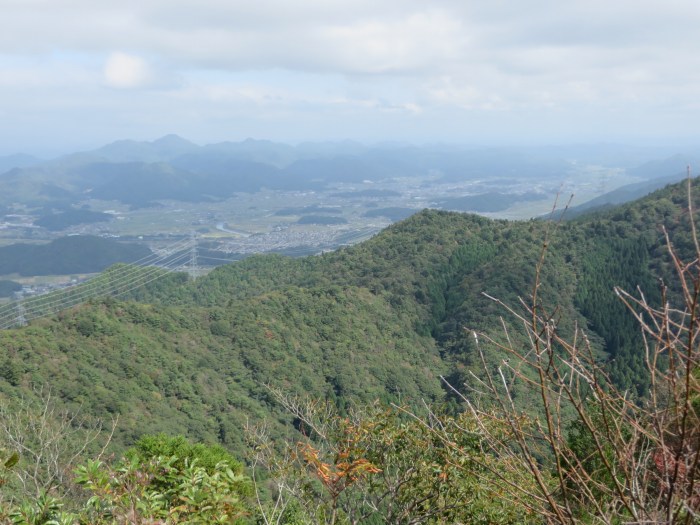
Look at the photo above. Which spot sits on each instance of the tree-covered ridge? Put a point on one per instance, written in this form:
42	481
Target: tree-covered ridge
68	255
428	275
424	275
8	288
201	372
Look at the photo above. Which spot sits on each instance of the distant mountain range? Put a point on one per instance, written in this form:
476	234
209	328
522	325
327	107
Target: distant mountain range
140	173
18	160
657	174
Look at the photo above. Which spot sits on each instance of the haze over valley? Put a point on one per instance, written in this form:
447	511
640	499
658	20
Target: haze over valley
256	196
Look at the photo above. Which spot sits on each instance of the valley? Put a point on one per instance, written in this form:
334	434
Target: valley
239	199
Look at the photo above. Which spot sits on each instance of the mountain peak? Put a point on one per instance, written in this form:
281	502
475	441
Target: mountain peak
171	140
163	149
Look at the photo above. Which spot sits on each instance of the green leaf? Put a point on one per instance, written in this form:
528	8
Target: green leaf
12	460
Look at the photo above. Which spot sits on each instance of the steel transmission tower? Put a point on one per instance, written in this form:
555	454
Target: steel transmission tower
21	319
193	268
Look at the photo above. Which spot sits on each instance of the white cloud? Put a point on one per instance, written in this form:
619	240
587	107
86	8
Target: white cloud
356	60
408	44
127	71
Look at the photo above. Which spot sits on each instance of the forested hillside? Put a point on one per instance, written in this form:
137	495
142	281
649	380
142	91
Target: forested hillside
382	320
379	320
74	254
437	266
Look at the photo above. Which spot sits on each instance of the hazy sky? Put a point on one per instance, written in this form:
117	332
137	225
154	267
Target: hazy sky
78	73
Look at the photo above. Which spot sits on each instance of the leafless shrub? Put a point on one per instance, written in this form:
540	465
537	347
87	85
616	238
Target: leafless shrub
49	442
633	460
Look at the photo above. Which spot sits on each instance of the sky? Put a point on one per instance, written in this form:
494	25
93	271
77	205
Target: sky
75	74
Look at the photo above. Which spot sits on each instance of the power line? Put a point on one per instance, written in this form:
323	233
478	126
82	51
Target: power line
193	269
21	319
100	286
120	276
105	284
116	281
122	279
